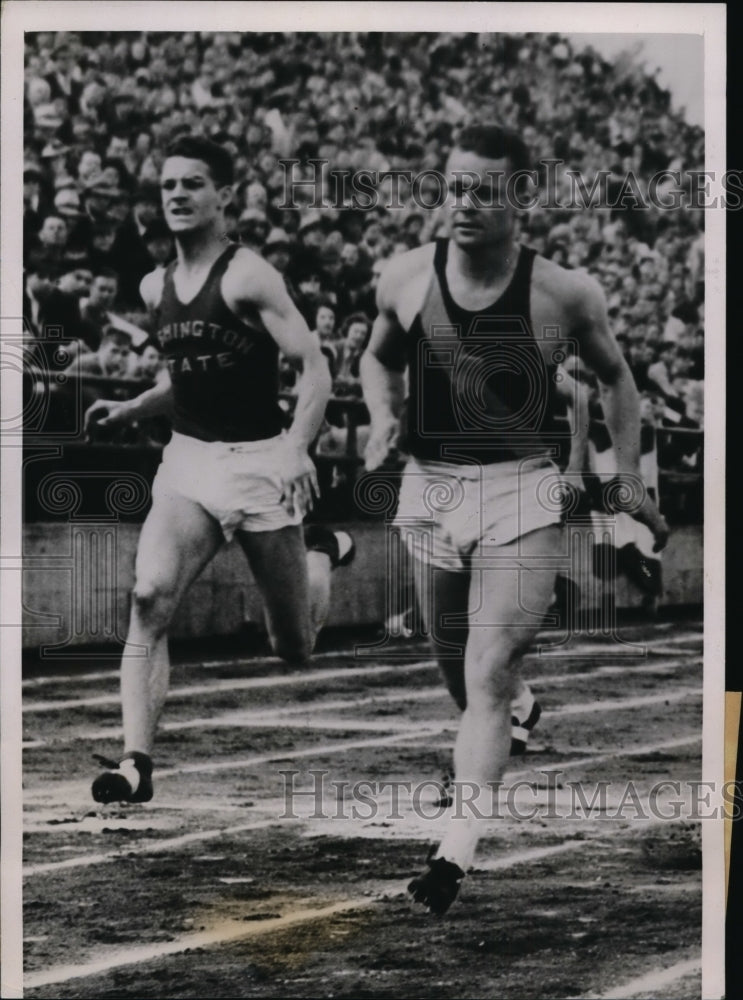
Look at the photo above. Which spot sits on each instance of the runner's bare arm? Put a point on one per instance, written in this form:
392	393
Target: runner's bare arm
153	402
619	396
265	290
382	370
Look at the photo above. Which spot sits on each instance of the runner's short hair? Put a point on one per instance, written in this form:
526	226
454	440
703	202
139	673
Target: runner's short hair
216	157
495	143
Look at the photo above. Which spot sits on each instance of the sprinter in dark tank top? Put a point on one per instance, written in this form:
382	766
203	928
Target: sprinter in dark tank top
222	315
224	369
479	324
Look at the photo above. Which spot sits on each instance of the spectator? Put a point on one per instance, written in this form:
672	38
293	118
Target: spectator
660	376
75	278
324	326
95	309
63	81
146	363
354	338
51	318
158	242
253	227
130	256
53	236
110	359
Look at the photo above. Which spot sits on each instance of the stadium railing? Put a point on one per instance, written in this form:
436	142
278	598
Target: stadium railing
53	416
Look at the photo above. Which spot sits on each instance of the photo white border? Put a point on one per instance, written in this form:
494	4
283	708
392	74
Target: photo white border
18	16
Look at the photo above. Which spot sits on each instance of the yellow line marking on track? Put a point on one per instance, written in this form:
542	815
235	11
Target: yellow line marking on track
226	934
651	982
202	939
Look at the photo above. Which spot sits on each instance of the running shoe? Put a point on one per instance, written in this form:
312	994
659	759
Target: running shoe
126	780
437	888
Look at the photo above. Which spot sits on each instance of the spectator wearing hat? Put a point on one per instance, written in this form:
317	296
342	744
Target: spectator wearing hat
35	201
102	235
75	278
54	156
130	255
51	318
278	250
63	81
311	231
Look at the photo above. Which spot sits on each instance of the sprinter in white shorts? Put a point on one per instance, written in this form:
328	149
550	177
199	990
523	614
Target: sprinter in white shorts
221	315
481	323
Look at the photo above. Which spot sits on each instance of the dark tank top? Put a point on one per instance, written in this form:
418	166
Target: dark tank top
480	390
224	370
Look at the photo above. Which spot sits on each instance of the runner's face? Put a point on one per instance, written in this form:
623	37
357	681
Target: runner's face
191	200
478	206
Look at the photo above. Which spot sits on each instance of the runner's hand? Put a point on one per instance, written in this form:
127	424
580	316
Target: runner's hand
649	515
299	483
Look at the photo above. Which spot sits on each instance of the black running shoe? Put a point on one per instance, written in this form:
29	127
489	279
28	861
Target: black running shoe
438	887
520	731
114	786
339	546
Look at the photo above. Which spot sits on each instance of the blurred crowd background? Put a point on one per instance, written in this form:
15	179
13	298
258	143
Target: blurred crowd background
100	109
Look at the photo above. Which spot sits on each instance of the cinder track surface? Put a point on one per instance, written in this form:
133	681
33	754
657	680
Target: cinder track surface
227	885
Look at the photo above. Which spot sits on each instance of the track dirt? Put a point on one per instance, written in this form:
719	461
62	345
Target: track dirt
263	868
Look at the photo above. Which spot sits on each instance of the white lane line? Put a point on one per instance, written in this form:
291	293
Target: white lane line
244	684
69	791
252	683
228	661
144	847
34	683
525	857
221	934
258	718
651	982
218	936
173	843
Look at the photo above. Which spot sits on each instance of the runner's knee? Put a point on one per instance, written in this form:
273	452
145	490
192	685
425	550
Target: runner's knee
153	606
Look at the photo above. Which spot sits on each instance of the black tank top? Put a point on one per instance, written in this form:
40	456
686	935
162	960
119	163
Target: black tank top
480	389
224	370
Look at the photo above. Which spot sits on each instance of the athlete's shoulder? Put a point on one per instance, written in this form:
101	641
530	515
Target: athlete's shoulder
248	276
151	287
401	272
576	289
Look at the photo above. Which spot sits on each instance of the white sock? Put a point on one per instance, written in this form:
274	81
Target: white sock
460	840
521	707
129	770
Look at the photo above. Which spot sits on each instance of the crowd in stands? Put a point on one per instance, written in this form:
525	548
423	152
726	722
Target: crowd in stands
100	109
